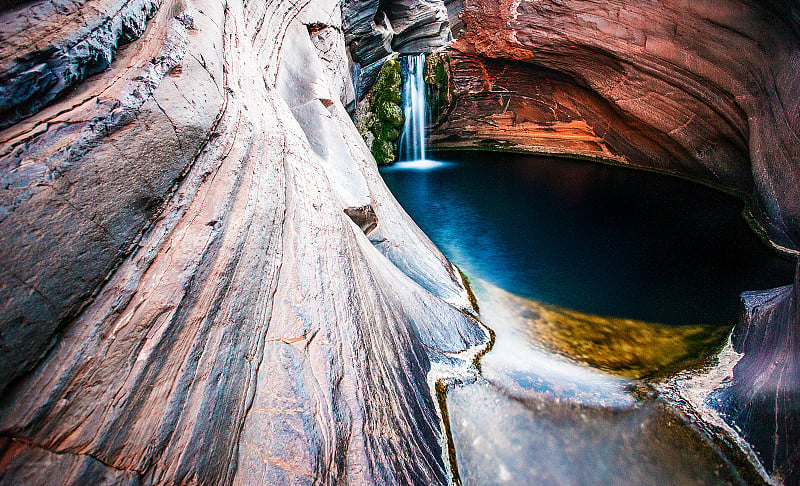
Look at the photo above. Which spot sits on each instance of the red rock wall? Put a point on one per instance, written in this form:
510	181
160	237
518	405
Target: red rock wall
510	105
719	81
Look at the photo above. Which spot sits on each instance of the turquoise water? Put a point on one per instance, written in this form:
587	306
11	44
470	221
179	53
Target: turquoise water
602	240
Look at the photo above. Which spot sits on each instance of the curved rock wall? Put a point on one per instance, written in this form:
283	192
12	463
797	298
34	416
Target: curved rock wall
719	79
184	296
375	29
761	399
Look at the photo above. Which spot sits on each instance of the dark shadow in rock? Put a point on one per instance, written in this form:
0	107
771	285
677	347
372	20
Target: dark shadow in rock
762	402
364	217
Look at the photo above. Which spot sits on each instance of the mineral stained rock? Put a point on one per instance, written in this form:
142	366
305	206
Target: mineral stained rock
189	293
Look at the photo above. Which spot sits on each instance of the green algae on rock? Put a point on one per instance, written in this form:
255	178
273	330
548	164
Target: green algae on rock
440	88
626	347
384	117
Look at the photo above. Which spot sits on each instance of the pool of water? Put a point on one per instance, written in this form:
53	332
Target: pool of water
598	239
598	282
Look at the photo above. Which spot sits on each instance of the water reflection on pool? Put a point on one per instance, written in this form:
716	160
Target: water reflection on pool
598	239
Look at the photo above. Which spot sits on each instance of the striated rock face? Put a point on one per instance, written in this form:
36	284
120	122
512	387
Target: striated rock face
68	214
767	414
717	81
500	105
205	279
39	63
375	29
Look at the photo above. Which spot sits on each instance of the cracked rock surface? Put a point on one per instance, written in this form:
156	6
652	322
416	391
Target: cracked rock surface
205	279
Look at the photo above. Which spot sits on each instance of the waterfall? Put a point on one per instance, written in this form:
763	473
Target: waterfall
415	108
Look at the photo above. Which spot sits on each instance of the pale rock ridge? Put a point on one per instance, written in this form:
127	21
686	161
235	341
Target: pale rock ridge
241	327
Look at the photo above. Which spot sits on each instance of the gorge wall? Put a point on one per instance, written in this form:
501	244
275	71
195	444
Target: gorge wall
703	89
205	280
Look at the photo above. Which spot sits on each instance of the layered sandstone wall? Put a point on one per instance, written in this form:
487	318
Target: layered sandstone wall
711	86
205	280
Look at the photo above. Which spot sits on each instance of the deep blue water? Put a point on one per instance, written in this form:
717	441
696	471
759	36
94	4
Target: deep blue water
595	238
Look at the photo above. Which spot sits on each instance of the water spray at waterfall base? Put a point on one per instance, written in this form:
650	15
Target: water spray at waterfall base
413	153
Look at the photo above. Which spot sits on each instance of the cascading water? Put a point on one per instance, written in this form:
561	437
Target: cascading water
415	108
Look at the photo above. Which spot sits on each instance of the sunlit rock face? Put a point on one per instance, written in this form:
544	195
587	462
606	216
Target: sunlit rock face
205	281
708	90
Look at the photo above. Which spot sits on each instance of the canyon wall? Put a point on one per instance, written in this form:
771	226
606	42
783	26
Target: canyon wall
705	90
702	89
205	279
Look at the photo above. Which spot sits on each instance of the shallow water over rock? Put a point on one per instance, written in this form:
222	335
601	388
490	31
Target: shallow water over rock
534	417
560	397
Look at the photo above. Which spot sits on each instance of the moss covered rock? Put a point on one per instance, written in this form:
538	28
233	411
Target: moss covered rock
440	90
390	133
390	113
384	118
383	151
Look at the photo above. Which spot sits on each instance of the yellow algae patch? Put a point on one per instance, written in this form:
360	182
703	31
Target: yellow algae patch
627	347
